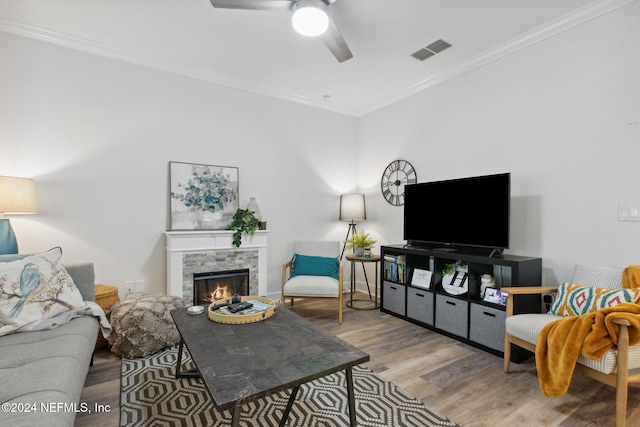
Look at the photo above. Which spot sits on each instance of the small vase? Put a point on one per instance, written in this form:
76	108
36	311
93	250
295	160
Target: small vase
253	206
208	220
358	251
486	281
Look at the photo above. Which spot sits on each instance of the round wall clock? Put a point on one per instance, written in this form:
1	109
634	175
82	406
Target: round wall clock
398	174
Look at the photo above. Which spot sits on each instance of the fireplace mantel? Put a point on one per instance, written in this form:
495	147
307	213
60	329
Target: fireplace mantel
185	243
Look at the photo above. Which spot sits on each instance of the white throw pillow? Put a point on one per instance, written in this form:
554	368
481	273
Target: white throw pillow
35	288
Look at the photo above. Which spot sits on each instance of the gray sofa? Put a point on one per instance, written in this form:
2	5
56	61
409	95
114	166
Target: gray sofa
42	373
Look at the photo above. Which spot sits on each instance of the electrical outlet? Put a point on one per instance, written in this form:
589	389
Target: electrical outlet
130	286
135	287
140	285
629	212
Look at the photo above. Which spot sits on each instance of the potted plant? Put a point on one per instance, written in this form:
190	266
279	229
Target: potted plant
462	266
359	242
244	222
448	269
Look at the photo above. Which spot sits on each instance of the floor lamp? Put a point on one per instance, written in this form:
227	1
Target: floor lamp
17	195
353	208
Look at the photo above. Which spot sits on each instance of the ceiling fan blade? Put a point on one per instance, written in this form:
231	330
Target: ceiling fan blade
253	4
335	42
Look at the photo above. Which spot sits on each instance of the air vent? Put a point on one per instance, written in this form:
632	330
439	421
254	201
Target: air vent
422	54
438	46
427	52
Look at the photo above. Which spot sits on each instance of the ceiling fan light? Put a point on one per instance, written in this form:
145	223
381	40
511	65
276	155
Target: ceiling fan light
310	20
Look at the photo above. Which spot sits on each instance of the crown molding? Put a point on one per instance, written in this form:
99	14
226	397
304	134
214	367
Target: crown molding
587	13
125	55
557	26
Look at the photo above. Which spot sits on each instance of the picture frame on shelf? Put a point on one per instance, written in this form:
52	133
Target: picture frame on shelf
496	296
202	197
421	278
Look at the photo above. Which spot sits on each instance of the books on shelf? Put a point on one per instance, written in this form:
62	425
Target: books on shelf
395	268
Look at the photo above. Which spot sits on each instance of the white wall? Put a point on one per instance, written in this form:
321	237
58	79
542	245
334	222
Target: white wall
563	116
97	136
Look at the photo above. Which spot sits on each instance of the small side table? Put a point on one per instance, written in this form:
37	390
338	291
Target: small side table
106	296
354	259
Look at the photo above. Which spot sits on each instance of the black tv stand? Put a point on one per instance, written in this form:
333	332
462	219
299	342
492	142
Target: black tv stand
445	249
427	300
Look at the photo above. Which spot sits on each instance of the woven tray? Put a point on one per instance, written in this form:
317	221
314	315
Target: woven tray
238	319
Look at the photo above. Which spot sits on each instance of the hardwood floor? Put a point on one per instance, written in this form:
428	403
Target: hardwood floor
463	383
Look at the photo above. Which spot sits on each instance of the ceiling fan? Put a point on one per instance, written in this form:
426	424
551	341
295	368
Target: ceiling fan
309	18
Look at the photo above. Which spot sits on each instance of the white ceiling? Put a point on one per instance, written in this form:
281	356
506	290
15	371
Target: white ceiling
259	50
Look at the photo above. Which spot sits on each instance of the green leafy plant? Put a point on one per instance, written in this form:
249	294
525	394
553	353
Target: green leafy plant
360	240
244	222
458	265
448	269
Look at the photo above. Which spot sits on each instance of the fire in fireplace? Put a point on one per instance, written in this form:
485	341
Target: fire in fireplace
218	285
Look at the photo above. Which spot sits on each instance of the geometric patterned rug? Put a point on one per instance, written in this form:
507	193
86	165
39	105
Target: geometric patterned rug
152	396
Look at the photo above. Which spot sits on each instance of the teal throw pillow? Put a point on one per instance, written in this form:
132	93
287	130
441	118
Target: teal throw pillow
305	265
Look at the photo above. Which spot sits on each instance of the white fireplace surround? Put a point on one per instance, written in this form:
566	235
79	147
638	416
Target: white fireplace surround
181	244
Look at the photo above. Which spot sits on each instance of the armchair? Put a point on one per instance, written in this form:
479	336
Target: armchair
314	271
616	367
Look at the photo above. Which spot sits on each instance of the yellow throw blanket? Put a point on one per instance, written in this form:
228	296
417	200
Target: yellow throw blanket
591	334
631	277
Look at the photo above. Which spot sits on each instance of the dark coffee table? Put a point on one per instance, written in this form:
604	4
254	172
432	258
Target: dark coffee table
241	363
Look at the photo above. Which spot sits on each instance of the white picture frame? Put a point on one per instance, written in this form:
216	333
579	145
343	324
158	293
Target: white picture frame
202	196
421	278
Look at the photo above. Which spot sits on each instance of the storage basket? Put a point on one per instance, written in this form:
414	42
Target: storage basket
106	296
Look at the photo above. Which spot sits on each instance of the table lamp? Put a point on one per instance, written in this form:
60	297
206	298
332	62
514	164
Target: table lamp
17	196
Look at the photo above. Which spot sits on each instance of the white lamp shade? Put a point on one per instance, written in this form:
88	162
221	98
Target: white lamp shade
309	18
352	207
17	195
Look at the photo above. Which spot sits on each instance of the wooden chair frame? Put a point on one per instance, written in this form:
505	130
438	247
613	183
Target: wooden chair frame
619	380
286	273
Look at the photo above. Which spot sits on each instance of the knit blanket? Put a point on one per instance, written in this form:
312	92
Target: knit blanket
631	277
90	308
592	335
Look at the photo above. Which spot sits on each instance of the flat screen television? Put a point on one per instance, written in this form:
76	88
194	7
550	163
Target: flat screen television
464	213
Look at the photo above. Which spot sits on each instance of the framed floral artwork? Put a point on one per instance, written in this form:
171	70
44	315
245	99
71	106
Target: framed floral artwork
203	197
